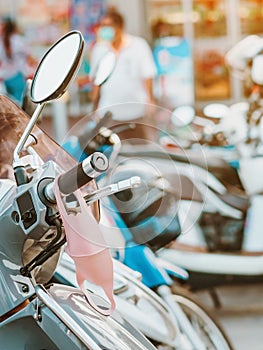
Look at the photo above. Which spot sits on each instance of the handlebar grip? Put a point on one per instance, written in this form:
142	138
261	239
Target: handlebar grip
82	173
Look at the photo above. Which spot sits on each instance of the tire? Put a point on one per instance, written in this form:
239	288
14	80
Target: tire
208	328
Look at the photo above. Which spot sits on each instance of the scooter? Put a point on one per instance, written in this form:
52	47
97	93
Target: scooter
221	239
156	274
35	171
237	129
226	246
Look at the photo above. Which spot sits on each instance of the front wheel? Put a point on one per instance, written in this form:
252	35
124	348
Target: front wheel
205	325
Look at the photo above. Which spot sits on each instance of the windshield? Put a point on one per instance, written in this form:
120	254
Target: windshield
13	122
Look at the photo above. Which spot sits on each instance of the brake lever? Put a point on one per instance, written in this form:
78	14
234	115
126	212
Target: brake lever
94	196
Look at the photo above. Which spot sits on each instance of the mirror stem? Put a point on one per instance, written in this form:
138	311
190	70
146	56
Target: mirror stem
27	132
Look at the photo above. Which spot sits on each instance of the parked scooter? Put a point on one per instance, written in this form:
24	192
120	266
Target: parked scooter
203	333
231	157
232	134
39	314
226	245
221	241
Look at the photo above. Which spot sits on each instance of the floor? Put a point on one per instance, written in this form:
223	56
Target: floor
241	314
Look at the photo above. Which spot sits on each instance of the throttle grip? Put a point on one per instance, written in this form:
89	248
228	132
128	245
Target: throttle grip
81	174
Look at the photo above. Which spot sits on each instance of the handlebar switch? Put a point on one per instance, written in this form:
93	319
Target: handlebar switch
27	209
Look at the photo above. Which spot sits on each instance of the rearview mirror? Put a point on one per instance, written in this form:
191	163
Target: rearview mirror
57	68
216	110
104	68
54	73
182	116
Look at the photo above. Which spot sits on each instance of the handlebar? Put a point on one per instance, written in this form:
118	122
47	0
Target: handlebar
82	173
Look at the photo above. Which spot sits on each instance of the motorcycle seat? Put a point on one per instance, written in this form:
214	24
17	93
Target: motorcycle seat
215	165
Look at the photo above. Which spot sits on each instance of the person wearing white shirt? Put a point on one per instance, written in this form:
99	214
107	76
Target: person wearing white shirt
128	91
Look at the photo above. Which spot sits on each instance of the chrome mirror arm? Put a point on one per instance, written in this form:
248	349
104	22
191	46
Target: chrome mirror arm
27	132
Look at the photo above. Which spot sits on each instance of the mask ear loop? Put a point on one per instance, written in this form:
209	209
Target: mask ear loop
96	260
87	247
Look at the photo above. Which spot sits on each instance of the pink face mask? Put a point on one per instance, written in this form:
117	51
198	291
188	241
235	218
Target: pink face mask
86	246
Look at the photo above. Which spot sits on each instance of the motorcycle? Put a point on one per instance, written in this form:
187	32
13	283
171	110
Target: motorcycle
231	134
138	251
35	172
220	241
226	245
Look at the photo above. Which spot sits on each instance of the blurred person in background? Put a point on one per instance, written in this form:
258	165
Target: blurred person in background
13	60
128	92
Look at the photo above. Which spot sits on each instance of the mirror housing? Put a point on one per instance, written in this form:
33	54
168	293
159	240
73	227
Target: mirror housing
216	110
239	56
104	68
182	116
57	68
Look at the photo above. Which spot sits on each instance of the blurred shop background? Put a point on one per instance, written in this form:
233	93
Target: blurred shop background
189	39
